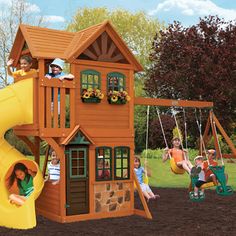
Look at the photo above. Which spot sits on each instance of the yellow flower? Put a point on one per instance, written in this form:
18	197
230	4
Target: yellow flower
114	98
128	98
86	95
101	96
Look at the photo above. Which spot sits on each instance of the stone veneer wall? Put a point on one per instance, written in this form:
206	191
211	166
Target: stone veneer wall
110	197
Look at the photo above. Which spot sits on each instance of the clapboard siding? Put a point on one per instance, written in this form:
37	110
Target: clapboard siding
49	199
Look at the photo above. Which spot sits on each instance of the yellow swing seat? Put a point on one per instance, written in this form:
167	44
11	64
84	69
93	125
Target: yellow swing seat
207	185
145	180
176	169
204	186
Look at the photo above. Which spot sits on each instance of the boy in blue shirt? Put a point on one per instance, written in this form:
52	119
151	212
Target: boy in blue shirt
57	73
57	70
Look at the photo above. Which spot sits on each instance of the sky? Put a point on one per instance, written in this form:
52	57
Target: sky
58	13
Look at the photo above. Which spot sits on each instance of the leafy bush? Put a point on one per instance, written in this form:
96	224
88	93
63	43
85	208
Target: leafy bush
17	143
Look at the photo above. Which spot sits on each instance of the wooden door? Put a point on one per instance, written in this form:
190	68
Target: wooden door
77	189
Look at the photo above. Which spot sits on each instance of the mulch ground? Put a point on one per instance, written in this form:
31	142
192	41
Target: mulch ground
173	214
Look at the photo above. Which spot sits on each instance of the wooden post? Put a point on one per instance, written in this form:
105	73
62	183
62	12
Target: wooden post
41	98
45	161
37	148
214	133
145	206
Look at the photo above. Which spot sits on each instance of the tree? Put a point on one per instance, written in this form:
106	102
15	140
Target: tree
11	15
138	31
198	62
156	139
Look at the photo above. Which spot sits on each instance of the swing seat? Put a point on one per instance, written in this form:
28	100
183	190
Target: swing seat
145	180
222	189
176	169
207	185
204	186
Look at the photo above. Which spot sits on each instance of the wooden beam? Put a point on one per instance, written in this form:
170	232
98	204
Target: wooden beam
96	48
111	49
170	102
117	58
28	143
229	156
145	206
214	133
88	53
104	42
226	137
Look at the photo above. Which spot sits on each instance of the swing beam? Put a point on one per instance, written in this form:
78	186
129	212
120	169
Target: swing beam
171	103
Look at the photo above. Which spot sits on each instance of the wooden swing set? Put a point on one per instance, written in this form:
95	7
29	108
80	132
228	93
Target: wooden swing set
212	123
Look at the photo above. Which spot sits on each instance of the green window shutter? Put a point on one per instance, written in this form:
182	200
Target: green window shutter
115	82
122	162
103	166
90	79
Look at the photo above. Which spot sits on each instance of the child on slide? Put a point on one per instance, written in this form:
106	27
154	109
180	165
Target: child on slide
24	179
139	171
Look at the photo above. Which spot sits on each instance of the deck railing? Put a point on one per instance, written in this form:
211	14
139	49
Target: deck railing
56	110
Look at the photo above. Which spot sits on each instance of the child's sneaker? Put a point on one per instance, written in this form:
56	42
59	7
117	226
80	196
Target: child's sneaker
201	194
195	195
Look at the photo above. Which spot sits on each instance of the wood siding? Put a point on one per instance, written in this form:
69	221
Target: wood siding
49	199
102	115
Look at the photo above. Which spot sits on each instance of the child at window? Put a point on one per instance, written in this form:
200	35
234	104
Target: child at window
24	179
25	65
139	171
178	155
103	173
57	70
54	168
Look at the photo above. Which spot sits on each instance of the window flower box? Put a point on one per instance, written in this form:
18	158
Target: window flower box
92	96
116	97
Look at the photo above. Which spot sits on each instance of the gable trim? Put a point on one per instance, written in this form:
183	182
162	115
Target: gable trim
73	134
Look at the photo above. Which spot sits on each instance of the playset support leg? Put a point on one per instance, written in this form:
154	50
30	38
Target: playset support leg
145	206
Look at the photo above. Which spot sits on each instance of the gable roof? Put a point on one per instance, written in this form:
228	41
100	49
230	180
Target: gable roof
49	43
74	132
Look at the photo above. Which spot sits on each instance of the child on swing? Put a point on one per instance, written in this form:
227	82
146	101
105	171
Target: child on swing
139	171
210	177
201	176
180	156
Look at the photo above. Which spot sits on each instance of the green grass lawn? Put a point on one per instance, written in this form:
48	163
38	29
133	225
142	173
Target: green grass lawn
162	176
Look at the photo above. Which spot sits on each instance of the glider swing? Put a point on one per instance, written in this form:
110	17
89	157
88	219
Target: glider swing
218	171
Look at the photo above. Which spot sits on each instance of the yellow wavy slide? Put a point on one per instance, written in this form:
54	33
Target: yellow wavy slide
16	108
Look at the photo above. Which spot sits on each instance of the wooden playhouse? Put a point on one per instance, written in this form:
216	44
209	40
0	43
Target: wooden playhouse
83	133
